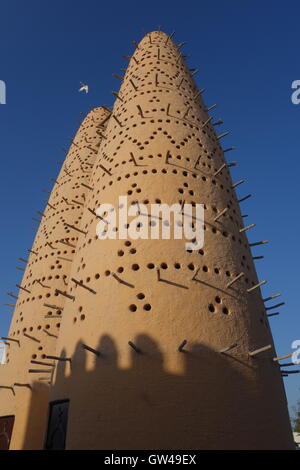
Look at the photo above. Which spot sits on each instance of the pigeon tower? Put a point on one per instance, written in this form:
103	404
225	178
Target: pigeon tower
144	343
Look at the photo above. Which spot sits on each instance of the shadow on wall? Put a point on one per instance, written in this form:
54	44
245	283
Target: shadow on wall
219	402
37	417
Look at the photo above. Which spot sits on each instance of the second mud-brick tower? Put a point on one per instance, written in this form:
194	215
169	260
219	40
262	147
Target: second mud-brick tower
161	345
36	321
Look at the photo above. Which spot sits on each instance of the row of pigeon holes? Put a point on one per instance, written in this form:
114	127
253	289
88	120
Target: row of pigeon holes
37	262
27	320
81	158
123	109
213	209
136	267
84	144
68	202
189	98
105	175
76	161
142	121
166	73
186	89
219	225
57	265
135	69
64	229
69	182
179	73
131	250
82	155
222	179
215	154
82	140
67	171
48	295
38	259
24	297
205	162
213	229
83	134
193	115
44	279
38	247
138	79
212	162
202	274
31	329
159	54
208	131
146	48
71	198
37	352
45	232
51	213
141	145
168	170
89	122
65	179
156	78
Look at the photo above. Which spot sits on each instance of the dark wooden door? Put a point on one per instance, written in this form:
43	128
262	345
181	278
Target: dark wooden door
6	428
57	425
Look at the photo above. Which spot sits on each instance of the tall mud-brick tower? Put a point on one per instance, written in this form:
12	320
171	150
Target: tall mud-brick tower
36	321
160	346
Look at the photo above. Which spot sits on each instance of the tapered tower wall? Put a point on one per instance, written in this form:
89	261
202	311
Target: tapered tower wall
159	148
37	315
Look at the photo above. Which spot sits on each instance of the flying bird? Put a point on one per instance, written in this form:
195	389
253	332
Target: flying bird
84	88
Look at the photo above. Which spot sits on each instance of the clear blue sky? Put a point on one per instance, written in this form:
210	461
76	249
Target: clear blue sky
248	55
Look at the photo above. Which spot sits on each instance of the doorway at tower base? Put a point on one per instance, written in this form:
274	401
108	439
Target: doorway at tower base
57	425
6	429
